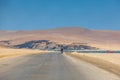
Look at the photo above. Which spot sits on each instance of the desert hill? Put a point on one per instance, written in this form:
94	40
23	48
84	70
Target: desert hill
103	39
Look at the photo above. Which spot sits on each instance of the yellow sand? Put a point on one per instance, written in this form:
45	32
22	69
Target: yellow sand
7	52
109	62
111	57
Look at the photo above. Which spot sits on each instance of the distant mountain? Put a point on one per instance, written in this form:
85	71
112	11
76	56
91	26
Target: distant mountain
103	39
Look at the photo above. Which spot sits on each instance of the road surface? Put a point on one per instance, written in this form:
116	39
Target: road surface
51	66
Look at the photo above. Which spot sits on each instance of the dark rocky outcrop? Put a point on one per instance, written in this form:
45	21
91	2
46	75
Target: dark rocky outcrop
48	45
39	44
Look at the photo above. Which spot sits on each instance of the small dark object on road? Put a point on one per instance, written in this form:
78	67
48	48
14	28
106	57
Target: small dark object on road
61	50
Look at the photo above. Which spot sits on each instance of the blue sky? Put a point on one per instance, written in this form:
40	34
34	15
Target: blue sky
47	14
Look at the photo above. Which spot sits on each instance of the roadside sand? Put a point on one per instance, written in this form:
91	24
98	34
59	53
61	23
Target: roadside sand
7	52
113	58
106	46
109	62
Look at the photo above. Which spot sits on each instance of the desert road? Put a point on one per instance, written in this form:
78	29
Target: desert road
50	66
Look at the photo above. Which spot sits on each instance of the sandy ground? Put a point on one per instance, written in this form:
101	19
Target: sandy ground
114	58
109	62
106	46
8	52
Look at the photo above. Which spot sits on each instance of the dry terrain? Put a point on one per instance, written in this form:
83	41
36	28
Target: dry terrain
110	57
34	64
109	62
8	52
103	39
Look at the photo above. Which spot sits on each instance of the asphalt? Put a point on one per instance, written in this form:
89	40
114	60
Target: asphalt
50	66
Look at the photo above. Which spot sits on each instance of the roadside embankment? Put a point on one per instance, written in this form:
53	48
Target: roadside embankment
109	62
8	52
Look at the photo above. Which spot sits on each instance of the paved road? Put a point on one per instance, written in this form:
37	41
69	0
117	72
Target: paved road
51	66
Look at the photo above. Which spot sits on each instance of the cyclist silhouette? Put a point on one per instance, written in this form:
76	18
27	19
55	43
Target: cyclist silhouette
61	50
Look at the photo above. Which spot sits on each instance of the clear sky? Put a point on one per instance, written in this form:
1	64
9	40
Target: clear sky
46	14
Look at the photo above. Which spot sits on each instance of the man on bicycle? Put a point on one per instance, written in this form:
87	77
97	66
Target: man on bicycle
61	50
